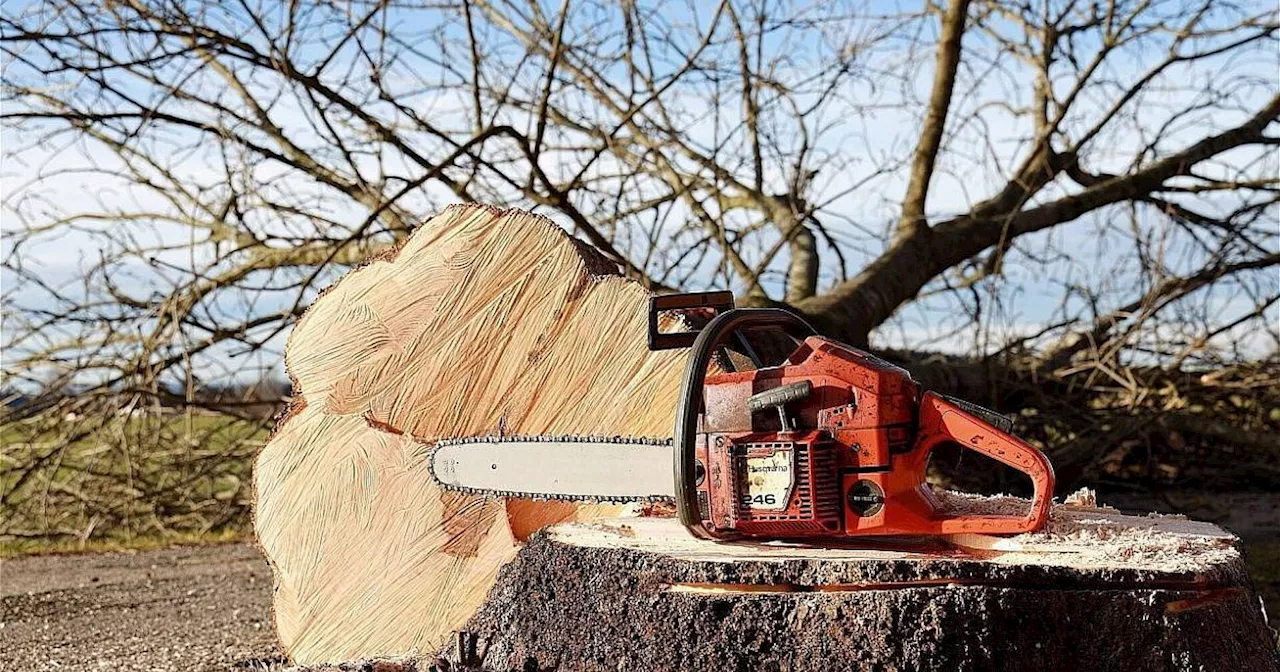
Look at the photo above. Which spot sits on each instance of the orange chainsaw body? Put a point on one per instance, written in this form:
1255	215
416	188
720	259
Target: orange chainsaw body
833	442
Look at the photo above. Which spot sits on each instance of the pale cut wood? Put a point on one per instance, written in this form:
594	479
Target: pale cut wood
484	321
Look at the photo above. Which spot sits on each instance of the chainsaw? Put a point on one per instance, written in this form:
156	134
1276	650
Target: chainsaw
830	442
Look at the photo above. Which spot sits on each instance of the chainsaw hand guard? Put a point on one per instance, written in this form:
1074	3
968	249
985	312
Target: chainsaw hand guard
714	303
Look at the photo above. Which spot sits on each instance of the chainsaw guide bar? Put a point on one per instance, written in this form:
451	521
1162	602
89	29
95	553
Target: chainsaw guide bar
568	468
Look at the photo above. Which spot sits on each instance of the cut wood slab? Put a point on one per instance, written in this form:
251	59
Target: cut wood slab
641	594
483	322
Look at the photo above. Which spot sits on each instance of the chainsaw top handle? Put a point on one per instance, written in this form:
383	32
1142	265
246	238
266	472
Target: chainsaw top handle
691	392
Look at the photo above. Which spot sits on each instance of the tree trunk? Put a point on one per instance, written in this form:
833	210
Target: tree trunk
1096	591
483	322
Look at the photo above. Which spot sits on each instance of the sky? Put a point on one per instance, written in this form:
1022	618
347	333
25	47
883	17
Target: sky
855	134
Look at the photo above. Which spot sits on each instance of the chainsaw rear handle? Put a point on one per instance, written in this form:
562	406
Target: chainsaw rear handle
691	386
941	420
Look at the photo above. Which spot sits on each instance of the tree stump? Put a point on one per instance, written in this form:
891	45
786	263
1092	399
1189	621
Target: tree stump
1096	590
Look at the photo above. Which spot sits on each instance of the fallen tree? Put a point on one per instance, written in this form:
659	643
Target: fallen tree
1100	249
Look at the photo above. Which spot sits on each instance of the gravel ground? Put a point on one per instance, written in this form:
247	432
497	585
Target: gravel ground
208	608
191	608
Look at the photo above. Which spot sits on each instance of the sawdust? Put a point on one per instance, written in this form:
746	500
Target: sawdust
1080	533
1100	535
1082	497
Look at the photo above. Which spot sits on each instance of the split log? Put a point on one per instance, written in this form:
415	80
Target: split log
482	322
1096	590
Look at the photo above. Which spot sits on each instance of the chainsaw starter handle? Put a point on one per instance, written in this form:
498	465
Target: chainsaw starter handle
695	373
943	421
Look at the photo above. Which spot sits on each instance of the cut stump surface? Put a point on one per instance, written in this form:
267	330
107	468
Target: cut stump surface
1096	590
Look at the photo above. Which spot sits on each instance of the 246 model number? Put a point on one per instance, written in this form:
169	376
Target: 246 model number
759	500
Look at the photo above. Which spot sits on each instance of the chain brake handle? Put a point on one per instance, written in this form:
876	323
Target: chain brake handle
716	302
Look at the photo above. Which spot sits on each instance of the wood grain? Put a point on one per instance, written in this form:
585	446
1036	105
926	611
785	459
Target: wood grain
485	321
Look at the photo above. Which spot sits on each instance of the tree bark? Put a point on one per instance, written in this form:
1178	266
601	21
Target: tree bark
643	595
